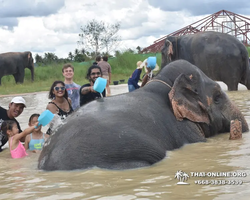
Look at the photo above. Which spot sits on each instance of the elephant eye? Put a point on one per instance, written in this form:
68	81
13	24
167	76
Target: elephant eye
217	98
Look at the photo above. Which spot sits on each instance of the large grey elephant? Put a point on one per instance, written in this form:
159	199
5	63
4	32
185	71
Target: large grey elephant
14	63
220	56
180	105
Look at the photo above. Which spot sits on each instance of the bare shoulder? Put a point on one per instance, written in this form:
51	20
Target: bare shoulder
69	99
51	107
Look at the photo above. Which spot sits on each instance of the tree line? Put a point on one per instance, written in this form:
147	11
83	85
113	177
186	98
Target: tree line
95	38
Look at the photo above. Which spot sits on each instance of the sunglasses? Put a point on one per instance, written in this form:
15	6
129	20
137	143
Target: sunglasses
97	73
58	88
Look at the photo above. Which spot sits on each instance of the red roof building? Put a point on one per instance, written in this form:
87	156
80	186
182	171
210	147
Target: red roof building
222	21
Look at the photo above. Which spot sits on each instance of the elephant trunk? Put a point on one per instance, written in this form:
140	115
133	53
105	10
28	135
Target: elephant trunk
32	72
247	84
233	113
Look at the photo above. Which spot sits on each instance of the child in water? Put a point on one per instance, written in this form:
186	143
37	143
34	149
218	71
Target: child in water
36	139
9	128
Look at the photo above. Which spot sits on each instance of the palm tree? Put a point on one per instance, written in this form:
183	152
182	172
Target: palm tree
178	175
185	176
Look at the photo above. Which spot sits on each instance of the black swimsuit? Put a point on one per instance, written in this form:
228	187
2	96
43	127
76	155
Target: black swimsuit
61	113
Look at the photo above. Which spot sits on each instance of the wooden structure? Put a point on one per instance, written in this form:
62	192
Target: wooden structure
222	21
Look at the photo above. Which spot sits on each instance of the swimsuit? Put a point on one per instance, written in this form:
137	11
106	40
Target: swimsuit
60	113
36	144
19	151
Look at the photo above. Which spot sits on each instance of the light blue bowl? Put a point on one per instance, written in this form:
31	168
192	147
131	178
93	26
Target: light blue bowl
45	118
100	84
151	62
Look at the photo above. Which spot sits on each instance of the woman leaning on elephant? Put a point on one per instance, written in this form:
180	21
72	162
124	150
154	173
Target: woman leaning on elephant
60	104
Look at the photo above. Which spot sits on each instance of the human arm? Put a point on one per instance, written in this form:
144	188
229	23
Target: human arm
27	141
17	137
109	77
46	136
20	130
86	90
146	77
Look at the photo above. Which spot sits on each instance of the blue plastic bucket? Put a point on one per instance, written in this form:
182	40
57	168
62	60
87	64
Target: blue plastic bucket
151	62
100	84
45	118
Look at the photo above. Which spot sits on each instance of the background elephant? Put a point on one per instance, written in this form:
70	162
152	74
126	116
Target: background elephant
220	56
180	105
15	63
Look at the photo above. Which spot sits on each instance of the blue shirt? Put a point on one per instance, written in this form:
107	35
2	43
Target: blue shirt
133	80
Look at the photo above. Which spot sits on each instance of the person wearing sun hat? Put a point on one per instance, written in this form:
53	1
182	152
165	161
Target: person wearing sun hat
135	77
16	106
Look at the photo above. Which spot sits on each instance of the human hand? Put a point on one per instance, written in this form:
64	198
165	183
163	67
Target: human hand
37	125
92	90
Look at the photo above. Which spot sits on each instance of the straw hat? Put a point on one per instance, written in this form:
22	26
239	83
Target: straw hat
139	65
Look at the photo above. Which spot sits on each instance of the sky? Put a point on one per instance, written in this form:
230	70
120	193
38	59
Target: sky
42	26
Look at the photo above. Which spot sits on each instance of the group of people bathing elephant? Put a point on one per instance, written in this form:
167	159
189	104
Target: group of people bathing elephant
180	105
66	96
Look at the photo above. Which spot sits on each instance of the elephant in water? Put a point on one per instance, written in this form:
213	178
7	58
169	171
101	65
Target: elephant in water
14	63
220	56
180	105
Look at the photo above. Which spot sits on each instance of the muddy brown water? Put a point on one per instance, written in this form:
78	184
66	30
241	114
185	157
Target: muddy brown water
20	178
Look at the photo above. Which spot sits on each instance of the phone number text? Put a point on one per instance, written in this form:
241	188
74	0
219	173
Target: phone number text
218	182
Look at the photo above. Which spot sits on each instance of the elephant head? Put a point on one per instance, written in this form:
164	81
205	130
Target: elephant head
29	63
168	51
199	99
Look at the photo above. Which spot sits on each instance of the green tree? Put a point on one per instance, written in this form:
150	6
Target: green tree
38	58
71	56
96	36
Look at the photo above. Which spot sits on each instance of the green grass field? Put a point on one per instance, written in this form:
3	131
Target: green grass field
122	67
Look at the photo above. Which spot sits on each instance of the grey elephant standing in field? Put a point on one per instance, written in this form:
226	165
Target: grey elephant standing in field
220	56
14	63
180	105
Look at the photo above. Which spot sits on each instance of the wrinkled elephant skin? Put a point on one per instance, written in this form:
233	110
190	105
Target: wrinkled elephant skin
180	105
14	63
220	56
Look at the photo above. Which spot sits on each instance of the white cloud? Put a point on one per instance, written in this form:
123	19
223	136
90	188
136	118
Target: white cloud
53	26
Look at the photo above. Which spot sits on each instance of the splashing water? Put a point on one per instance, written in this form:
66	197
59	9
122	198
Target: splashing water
55	123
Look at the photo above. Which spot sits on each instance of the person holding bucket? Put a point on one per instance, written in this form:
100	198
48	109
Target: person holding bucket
10	128
135	77
60	103
151	63
36	139
87	93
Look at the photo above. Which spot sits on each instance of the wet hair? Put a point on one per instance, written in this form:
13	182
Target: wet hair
105	58
7	125
90	70
98	58
67	65
32	116
52	95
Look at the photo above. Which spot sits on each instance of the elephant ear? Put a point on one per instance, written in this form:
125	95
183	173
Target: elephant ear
168	52
185	100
